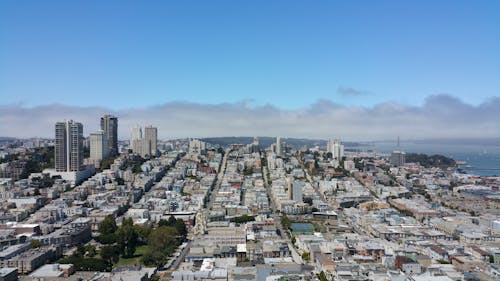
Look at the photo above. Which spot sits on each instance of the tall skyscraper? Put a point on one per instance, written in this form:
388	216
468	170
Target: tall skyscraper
136	139
278	146
144	144
98	147
336	148
398	158
109	124
68	152
254	147
135	134
150	141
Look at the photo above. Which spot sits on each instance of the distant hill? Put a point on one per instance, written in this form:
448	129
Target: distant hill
5	140
461	141
430	161
267	141
2	139
264	141
446	141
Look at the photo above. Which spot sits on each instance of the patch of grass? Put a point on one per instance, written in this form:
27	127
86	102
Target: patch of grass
136	259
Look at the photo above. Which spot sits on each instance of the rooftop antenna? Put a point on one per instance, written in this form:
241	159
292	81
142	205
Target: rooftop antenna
398	141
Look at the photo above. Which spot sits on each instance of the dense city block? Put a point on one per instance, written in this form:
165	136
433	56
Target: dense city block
97	208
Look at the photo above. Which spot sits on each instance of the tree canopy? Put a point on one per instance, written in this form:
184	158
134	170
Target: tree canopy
127	238
108	225
161	243
430	161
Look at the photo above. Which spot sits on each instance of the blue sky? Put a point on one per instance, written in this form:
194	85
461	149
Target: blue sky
290	54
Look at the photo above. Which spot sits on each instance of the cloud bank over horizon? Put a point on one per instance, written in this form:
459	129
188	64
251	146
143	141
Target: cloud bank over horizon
441	116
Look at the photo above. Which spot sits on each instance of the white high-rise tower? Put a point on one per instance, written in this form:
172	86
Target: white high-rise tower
99	149
68	152
278	146
136	139
336	148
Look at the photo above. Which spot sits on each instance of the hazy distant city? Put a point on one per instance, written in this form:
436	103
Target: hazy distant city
250	140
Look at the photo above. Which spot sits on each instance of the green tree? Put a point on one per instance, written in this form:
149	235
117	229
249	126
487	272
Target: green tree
163	222
106	239
80	250
110	254
306	256
178	224
161	243
44	181
181	228
87	264
137	169
285	222
322	276
243	219
106	163
108	225
30	167
127	238
143	233
90	250
153	258
248	171
171	221
430	161
163	238
35	244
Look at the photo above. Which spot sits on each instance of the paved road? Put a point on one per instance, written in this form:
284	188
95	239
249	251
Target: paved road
219	177
218	182
274	215
277	220
179	259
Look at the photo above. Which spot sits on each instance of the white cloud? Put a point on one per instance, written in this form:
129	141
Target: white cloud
348	91
441	116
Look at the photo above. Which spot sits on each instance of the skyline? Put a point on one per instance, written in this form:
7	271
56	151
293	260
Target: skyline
122	55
